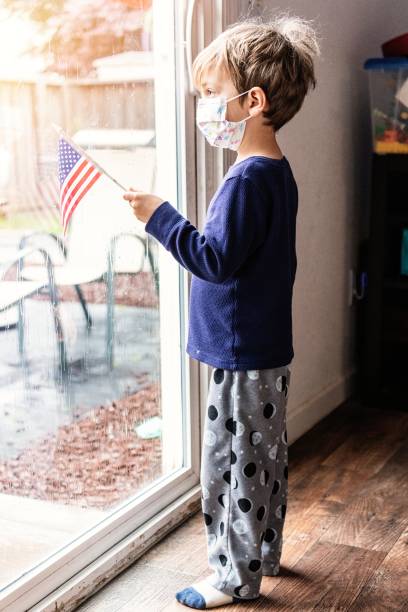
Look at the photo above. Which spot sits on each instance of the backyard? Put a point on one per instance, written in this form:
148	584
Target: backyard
74	439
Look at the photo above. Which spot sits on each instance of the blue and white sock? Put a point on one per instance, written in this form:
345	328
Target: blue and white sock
202	596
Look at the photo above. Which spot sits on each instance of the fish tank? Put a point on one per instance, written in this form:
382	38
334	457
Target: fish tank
388	83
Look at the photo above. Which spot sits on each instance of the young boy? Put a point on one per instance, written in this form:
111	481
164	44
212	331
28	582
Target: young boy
253	79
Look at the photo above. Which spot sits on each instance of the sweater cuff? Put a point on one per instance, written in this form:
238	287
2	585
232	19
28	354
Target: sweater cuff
161	222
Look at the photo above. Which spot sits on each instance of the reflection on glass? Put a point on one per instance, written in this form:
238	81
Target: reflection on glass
80	356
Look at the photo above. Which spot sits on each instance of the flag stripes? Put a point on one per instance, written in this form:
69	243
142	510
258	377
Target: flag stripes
86	182
77	175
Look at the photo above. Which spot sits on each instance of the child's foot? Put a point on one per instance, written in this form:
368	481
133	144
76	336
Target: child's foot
270	569
202	595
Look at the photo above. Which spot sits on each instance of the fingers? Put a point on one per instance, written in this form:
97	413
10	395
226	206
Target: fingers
130	196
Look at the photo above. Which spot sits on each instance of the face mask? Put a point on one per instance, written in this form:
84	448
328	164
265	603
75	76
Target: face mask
212	123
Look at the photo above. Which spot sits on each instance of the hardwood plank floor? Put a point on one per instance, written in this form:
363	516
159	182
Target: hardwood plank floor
345	536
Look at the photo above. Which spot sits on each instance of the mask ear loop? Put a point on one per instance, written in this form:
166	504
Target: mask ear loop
238	96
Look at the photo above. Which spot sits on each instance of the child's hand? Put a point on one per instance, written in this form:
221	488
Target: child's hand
143	204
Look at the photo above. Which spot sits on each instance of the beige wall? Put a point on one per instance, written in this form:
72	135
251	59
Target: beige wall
328	145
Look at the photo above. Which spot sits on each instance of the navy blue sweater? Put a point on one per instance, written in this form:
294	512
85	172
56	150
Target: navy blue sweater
243	266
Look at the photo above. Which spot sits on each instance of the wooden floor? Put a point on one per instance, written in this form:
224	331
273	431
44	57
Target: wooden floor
345	536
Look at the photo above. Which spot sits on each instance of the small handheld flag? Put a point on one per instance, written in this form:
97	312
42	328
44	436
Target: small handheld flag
78	172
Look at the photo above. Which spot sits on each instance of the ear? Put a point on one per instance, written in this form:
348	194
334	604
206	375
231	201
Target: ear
257	99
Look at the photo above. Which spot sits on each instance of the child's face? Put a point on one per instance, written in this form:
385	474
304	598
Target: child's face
216	82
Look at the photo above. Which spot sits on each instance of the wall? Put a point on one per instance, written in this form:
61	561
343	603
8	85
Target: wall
328	144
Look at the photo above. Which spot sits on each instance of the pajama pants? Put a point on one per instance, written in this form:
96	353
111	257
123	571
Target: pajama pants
244	476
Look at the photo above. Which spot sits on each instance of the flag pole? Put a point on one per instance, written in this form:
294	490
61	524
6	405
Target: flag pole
61	132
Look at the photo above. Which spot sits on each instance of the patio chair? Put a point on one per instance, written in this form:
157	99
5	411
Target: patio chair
13	293
97	230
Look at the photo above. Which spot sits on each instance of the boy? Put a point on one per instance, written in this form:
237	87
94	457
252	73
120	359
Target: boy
252	79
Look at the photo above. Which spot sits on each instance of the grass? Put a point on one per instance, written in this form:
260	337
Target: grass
24	220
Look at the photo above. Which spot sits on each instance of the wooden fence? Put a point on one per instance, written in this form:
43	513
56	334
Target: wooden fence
28	142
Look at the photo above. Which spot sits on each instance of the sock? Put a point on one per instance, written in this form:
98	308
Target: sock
202	595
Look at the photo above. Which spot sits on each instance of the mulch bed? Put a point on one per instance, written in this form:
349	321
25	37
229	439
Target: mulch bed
130	290
100	460
97	461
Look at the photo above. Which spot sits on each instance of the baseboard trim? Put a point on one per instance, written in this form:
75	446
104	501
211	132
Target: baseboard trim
304	416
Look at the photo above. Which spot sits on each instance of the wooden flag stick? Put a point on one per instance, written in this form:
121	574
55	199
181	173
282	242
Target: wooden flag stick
85	154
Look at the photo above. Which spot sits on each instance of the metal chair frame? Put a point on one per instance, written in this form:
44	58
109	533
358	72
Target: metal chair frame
108	277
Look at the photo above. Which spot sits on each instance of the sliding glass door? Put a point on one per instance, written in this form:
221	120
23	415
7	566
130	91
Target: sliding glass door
100	405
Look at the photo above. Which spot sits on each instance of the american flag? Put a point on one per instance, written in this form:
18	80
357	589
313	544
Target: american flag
77	174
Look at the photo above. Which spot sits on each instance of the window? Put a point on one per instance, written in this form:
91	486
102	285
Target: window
100	406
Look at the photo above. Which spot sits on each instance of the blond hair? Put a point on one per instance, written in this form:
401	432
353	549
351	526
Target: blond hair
276	55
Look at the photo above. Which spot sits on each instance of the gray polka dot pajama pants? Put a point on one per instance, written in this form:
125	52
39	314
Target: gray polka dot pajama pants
244	476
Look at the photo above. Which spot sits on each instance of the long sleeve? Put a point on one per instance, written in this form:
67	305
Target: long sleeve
236	224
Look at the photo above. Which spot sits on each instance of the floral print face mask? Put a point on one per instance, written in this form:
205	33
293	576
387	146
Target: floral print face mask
211	121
